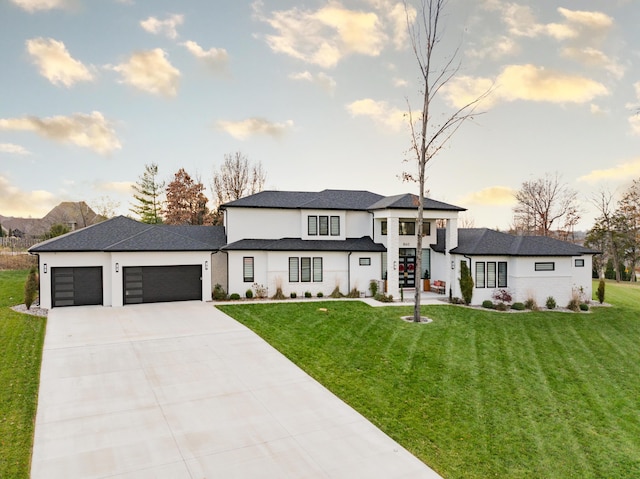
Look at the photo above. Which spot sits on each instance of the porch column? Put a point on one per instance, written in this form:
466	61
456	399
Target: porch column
452	242
393	247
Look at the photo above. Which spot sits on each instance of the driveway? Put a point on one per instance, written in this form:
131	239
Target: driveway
181	390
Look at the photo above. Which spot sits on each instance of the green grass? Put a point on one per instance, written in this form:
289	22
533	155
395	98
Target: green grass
479	394
21	339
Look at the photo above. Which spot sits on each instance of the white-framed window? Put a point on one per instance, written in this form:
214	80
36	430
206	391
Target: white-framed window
545	266
247	269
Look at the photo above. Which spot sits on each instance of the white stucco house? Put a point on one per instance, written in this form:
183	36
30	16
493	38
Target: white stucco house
304	242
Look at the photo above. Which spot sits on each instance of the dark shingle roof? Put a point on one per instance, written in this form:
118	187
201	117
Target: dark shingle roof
364	244
326	199
486	242
409	201
124	234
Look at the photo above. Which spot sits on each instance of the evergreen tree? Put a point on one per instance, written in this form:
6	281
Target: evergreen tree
148	196
466	282
31	288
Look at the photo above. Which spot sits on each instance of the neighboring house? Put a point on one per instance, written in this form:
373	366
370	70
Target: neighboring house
303	242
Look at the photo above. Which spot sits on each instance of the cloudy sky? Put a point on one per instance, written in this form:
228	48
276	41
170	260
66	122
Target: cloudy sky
316	91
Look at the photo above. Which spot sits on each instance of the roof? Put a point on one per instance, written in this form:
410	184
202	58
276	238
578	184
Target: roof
336	200
124	234
364	244
487	242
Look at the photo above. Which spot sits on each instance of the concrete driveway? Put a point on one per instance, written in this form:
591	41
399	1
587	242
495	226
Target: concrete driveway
181	390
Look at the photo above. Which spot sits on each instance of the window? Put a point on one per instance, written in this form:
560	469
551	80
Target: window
549	266
579	263
407	228
383	226
247	269
365	261
335	226
312	225
305	269
294	271
502	274
426	228
317	270
480	274
324	225
491	274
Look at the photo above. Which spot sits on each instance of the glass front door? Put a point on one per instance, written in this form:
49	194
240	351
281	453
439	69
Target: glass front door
407	267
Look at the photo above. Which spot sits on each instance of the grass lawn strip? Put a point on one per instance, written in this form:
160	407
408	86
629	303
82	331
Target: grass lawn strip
477	393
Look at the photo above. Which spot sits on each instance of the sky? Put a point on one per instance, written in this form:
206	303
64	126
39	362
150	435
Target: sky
317	92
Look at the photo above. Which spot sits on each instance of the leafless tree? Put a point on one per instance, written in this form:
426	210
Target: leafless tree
543	203
236	179
428	134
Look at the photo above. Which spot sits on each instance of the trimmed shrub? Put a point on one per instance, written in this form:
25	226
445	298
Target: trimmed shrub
502	307
518	306
31	288
531	304
383	298
551	303
219	294
248	294
584	307
466	282
320	294
373	287
307	294
488	304
600	291
234	296
293	295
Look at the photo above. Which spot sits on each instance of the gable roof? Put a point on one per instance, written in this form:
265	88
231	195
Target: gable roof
487	242
336	200
124	234
364	244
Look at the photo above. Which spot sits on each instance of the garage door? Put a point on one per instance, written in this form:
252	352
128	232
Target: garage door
76	286
156	284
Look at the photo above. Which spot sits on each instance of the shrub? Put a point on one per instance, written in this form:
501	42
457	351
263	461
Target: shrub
551	303
488	304
261	291
219	294
502	295
518	306
502	307
234	296
466	282
584	307
456	300
279	294
31	288
373	287
320	294
531	304
383	298
336	293
293	295
354	293
248	294
307	294
600	291
574	305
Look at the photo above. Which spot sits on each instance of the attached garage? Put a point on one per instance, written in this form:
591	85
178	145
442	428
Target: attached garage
154	284
76	286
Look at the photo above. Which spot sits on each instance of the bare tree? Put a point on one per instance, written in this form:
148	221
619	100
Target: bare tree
105	206
236	179
429	136
543	202
603	235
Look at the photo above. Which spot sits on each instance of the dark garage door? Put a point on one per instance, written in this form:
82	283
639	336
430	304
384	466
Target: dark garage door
156	284
80	286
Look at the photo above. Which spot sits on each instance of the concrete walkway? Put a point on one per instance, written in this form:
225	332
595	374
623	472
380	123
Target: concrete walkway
181	390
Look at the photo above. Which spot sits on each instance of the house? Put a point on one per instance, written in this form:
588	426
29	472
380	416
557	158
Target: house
303	242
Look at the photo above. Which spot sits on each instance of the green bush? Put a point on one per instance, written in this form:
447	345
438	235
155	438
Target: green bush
584	307
234	296
466	282
600	291
293	295
531	304
219	294
248	294
383	298
551	303
518	306
320	294
502	307
31	288
488	304
354	293
373	287
307	294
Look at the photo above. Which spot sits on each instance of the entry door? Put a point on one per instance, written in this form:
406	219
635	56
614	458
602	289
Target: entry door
407	268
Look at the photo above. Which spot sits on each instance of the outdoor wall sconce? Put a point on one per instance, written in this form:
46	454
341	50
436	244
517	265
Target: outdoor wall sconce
117	267
206	265
453	264
44	268
395	265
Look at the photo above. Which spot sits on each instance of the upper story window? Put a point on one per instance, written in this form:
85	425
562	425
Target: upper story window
323	225
407	228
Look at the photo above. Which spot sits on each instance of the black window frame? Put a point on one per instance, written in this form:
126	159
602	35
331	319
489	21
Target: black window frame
334	225
248	261
578	263
365	261
544	266
312	225
483	271
492	281
323	225
318	270
294	271
502	275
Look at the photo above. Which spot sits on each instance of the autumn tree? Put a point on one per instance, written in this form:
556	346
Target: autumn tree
543	203
628	223
186	203
235	179
430	128
148	195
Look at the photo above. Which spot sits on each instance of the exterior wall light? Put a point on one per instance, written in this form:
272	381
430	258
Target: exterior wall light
117	267
44	268
206	265
453	264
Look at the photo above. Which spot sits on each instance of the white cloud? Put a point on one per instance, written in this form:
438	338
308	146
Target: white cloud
399	82
380	112
150	71
166	27
634	122
55	63
13	149
24	204
215	57
325	81
91	131
494	196
495	48
121	187
622	171
37	5
525	82
593	57
243	129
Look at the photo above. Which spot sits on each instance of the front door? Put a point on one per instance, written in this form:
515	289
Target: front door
407	267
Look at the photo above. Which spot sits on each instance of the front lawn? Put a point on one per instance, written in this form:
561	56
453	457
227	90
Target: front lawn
21	339
476	393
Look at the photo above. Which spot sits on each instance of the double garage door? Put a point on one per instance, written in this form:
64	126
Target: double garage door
82	286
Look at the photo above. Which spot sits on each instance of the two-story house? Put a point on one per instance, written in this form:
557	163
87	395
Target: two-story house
303	242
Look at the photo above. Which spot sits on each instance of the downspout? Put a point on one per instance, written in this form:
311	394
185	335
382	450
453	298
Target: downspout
349	272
